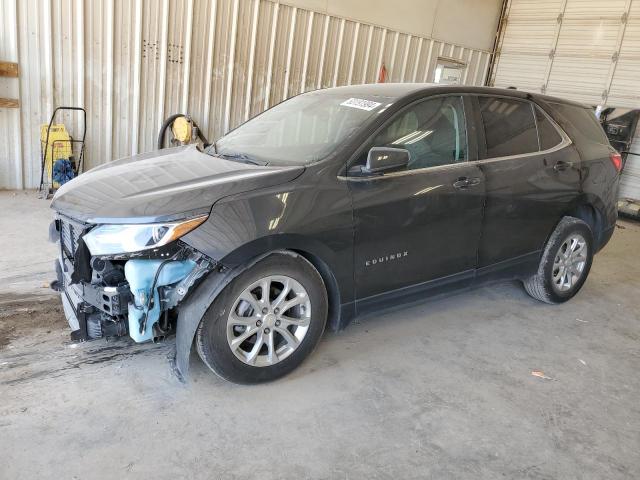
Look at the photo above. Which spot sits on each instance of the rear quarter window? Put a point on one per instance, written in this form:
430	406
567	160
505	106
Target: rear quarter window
509	126
547	133
583	121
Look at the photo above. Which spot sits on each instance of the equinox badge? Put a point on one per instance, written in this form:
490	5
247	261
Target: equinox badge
386	258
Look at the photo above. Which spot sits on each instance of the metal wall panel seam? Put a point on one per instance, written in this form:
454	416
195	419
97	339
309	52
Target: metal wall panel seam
79	17
467	60
394	50
187	58
307	46
25	111
287	72
476	74
624	21
209	68
414	76
365	64
231	66
336	69
381	54
137	67
109	87
407	47
428	65
272	42
48	53
353	53
485	70
17	140
252	58
323	51
163	61
57	48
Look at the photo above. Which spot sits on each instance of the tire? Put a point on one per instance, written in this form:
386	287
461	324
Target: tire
243	301
548	284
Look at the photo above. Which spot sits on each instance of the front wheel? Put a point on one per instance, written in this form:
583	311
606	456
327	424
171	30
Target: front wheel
565	263
265	322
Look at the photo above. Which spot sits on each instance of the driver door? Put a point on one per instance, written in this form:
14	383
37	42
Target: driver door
420	225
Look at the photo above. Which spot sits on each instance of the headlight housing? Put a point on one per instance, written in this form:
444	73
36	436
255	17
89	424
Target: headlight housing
128	238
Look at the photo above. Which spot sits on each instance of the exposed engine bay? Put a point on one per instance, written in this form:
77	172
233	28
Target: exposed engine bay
126	294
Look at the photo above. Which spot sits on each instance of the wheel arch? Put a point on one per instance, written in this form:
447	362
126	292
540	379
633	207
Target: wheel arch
330	283
588	210
193	308
334	273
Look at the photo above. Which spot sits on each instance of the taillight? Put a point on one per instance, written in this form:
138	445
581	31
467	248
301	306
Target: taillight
616	159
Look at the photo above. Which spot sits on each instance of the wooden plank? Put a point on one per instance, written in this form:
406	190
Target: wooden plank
8	69
9	103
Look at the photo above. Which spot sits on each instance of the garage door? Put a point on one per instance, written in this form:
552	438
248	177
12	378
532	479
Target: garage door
583	50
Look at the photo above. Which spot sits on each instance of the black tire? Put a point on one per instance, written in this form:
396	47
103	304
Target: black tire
540	286
211	336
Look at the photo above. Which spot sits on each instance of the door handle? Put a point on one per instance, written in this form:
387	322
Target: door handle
466	182
561	166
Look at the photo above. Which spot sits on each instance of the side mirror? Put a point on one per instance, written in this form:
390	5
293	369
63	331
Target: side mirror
383	160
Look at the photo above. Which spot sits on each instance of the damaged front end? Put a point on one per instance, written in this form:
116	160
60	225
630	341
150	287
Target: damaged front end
111	293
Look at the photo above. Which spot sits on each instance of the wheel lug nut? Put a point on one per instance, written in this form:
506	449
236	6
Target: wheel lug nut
266	330
258	323
277	323
277	310
265	310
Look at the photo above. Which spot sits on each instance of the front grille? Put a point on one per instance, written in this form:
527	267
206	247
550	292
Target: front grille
70	233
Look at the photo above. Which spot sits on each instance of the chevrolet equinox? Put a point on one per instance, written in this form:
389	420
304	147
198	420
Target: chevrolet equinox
331	204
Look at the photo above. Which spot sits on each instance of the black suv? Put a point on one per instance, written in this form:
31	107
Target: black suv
330	204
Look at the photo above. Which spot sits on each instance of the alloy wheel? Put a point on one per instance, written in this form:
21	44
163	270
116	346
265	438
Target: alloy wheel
268	320
570	262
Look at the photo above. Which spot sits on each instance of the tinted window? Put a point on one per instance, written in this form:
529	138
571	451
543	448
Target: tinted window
548	134
433	131
583	120
509	126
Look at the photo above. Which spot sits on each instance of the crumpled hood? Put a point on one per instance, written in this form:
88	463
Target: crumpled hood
163	185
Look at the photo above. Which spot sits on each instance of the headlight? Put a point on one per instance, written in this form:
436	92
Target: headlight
115	239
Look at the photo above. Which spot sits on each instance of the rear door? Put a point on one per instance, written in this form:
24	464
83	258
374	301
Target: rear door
422	223
532	175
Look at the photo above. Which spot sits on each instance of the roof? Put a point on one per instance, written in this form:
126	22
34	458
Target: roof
399	90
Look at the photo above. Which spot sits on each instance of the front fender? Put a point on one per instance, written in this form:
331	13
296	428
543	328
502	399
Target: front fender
196	305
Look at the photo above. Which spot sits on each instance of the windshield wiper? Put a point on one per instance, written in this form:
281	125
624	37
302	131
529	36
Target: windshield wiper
240	157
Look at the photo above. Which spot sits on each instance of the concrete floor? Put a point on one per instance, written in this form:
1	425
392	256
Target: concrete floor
443	389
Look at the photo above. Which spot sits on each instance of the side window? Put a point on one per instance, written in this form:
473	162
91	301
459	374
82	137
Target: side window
547	133
583	121
509	126
433	131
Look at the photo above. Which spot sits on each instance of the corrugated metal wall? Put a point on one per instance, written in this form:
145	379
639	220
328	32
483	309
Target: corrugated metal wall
131	63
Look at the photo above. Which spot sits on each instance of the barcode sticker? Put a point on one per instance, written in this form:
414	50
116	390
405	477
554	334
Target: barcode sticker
360	103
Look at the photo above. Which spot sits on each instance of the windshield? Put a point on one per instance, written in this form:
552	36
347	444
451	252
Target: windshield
301	130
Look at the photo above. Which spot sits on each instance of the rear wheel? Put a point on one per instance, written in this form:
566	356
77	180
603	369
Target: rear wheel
565	263
265	322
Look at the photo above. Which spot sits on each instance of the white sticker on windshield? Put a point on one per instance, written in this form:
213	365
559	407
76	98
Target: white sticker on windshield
361	104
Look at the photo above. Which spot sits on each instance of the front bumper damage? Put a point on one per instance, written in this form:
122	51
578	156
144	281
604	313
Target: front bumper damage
136	294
